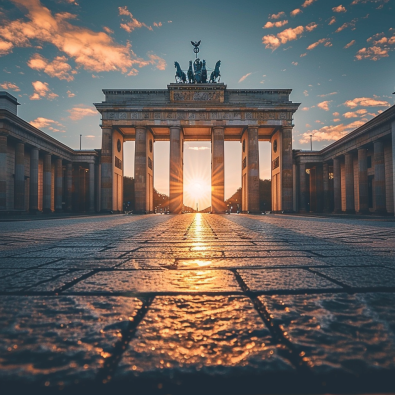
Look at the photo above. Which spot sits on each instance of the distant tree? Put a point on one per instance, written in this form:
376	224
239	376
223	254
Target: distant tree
234	201
161	201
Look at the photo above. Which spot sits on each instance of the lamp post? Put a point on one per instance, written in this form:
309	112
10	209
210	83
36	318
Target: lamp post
311	142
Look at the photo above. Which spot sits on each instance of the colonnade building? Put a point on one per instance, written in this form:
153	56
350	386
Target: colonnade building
38	173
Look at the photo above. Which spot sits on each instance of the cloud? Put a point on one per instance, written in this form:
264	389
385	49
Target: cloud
41	91
133	24
81	111
90	50
305	109
346	25
328	94
303	54
269	25
108	30
273	42
296	12
370	1
57	68
295	63
307	3
336	114
311	26
46	123
381	47
332	21
10	85
198	148
355	114
277	16
349	44
366	102
330	133
156	60
90	136
306	92
70	94
324	105
339	8
321	41
244	77
5	47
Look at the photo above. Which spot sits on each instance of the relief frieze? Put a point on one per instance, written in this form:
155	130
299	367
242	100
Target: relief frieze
197	96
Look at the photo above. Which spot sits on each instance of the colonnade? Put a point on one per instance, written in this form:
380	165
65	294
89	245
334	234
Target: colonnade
36	180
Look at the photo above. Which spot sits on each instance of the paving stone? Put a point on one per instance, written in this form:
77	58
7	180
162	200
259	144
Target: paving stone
63	252
159	281
85	263
57	283
24	263
284	279
213	334
340	331
146	264
60	339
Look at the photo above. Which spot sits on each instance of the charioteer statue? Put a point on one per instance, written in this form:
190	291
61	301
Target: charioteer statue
197	72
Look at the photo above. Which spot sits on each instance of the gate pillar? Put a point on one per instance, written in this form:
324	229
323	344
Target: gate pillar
217	171
176	169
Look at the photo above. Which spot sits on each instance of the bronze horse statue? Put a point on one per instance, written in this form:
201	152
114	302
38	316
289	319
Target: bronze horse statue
215	74
180	75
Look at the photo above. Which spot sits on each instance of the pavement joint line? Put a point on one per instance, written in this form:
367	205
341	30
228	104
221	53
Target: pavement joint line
341	284
278	336
77	280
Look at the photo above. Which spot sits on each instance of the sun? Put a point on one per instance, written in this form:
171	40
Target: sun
197	190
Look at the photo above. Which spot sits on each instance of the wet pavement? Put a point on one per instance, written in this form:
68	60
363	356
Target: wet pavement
198	303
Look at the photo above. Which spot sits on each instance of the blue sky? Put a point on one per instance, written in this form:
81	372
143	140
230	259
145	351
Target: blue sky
337	56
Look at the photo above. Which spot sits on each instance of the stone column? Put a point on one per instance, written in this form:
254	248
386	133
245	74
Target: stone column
33	203
47	184
3	171
250	172
349	178
217	171
302	188
379	177
58	185
319	185
325	185
286	170
313	190
363	181
393	161
337	193
69	187
176	170
19	183
91	207
107	171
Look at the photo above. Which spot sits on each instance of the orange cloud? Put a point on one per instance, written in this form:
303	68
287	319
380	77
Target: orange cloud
57	68
268	25
355	114
41	123
349	44
70	94
10	85
324	105
277	16
157	24
296	12
330	133
346	25
133	23
283	37
332	21
244	77
321	41
93	51
5	47
380	48
328	94
307	3
311	26
41	91
79	112
366	102
339	8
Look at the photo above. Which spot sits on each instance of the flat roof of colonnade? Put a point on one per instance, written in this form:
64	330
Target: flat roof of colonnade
197	108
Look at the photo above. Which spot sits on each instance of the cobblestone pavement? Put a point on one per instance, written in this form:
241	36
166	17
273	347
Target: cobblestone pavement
200	303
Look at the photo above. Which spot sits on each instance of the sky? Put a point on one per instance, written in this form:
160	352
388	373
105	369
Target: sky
337	56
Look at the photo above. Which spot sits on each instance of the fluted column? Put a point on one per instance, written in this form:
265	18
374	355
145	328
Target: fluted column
337	193
363	190
3	171
107	172
58	185
302	188
325	184
286	170
47	183
33	188
313	190
349	169
319	188
393	162
176	170
69	187
19	184
217	171
91	207
379	177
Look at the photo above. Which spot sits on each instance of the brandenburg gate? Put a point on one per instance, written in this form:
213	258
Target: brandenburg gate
196	108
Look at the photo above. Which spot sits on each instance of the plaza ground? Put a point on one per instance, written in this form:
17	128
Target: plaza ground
198	303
